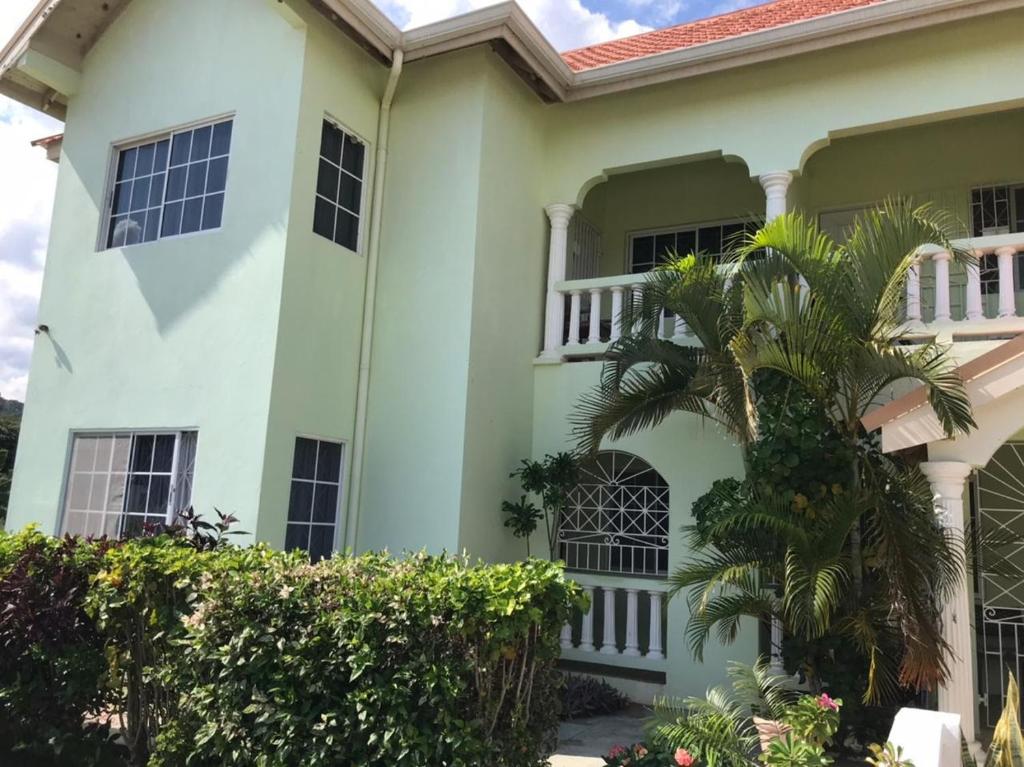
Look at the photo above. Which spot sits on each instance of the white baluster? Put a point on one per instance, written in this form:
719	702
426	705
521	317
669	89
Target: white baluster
566	638
941	261
608	646
574	318
914	292
974	310
632	631
587	627
1007	299
681	330
654	649
616	313
594	334
638	292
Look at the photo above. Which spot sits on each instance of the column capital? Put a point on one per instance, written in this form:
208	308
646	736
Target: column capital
941	255
1005	251
947	477
560	214
776	181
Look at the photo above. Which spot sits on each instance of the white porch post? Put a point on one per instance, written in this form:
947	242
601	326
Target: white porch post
1007	299
559	214
974	310
594	332
914	291
958	695
776	187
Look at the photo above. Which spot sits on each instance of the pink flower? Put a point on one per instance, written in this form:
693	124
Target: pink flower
616	752
640	750
827	702
683	758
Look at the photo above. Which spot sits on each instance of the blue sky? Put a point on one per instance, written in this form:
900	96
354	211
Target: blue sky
27	181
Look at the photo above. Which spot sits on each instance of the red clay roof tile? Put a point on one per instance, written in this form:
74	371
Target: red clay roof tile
734	24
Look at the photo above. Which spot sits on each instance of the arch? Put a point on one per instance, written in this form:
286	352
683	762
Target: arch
617	517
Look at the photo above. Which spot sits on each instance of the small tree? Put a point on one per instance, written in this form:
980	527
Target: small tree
550	480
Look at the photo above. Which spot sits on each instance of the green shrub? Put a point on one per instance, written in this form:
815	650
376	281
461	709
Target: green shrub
584	696
371	661
52	664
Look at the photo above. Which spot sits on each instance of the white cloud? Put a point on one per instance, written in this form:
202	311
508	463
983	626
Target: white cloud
26	198
566	23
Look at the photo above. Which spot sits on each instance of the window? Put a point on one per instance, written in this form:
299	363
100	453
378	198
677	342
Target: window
650	249
997	210
616	520
121	482
315	493
339	186
170	185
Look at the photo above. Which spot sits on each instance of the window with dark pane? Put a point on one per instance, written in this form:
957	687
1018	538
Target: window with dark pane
123	484
170	186
339	186
997	210
650	249
314	497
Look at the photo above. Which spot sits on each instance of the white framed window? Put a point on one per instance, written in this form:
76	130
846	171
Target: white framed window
120	483
997	209
651	248
337	211
168	185
315	497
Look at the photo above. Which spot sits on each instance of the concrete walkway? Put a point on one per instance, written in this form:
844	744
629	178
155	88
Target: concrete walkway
583	742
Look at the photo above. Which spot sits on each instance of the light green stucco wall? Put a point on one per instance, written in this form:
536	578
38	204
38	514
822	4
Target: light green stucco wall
179	333
318	339
690	455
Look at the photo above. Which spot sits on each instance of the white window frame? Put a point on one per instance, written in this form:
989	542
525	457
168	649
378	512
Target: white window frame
368	170
341	505
132	434
113	153
637	233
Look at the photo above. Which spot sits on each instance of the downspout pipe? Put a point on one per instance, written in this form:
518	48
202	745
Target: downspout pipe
369	302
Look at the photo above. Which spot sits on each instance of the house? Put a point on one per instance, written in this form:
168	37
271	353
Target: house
338	279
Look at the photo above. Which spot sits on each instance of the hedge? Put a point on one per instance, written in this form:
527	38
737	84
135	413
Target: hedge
247	656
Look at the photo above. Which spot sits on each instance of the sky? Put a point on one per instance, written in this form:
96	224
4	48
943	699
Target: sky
27	179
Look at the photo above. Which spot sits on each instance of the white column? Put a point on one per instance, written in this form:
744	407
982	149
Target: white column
616	313
554	318
776	186
608	646
974	310
574	318
654	649
565	640
680	330
632	630
1007	299
958	694
594	333
941	261
638	292
587	627
914	292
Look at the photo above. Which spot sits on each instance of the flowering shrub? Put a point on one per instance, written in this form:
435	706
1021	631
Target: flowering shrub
814	718
641	755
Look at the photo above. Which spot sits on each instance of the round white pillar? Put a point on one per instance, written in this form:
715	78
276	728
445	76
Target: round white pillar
941	261
776	187
958	695
554	318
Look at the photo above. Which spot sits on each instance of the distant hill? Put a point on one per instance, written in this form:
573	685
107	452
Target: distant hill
10	407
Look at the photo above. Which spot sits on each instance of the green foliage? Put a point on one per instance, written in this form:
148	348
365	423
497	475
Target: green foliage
9	427
366	660
1007	747
550	480
791	751
814	719
584	696
889	755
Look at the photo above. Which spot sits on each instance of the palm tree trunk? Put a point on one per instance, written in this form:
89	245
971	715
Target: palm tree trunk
856	549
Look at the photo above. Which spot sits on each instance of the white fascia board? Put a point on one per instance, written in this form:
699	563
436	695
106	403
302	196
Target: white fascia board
19	42
369	22
849	26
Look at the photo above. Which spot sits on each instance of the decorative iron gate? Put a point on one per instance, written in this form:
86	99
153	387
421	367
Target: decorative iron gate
999	508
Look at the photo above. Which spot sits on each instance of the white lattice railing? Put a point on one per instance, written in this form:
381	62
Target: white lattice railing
981	307
624	625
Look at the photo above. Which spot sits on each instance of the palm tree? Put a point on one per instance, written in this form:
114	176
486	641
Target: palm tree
828	318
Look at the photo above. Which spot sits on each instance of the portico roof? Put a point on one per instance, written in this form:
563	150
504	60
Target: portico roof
40	65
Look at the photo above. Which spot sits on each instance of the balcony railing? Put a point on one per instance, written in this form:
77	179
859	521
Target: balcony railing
595	305
624	625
